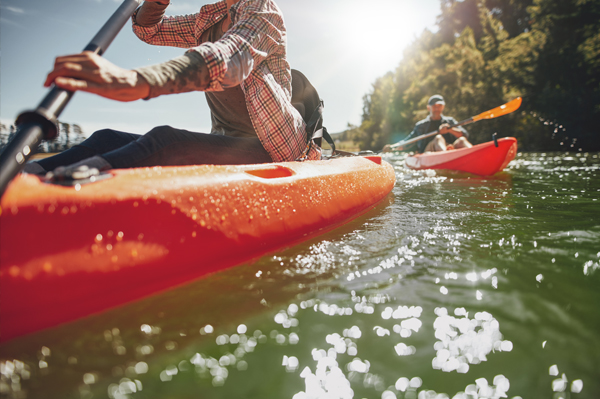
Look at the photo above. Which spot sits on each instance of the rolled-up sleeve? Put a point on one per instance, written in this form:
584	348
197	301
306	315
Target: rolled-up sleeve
180	31
170	31
253	36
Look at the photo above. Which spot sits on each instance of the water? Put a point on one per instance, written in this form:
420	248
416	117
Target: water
454	286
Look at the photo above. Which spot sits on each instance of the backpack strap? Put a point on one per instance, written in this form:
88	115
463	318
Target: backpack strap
305	98
315	132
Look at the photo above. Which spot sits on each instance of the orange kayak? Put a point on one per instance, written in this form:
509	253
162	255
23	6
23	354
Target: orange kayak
483	159
67	252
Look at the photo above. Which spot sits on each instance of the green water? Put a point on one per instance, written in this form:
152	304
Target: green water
454	284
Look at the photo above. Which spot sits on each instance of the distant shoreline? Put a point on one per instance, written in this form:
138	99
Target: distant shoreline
42	155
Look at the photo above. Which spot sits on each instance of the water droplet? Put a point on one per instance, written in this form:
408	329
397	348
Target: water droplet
577	386
559	385
207	329
89	378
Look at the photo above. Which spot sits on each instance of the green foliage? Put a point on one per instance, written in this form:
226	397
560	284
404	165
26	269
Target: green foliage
487	52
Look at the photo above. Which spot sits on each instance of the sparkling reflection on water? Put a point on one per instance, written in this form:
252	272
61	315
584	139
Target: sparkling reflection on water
454	287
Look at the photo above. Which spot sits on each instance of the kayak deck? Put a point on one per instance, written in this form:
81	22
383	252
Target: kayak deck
483	159
67	252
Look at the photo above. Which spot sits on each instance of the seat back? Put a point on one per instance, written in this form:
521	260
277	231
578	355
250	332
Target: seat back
306	100
304	95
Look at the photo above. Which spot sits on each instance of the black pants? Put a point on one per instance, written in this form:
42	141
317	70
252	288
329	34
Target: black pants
162	146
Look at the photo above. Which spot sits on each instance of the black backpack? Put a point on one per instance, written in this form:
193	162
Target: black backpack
308	103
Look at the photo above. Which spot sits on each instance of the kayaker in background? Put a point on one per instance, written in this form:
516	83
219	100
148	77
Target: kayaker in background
436	121
237	55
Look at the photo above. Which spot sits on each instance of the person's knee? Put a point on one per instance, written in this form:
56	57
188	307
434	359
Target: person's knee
102	134
437	144
158	131
99	137
162	136
105	136
462	142
106	140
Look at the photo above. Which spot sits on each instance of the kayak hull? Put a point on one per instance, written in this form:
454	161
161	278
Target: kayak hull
483	159
67	252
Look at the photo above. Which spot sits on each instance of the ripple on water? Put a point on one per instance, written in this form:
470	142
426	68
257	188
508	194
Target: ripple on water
456	289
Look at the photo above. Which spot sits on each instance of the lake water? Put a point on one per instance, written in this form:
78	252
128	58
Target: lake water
455	286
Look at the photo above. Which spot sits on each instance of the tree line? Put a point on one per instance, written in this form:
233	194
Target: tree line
484	54
68	136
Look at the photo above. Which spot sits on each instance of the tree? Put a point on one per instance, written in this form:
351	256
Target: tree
487	52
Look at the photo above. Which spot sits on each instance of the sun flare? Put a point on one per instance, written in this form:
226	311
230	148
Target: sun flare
379	31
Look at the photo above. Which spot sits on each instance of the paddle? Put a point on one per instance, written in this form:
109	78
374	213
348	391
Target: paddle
507	108
41	123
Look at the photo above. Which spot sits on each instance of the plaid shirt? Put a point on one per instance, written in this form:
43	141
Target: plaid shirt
257	27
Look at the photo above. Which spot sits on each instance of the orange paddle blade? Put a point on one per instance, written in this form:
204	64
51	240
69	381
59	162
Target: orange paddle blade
507	108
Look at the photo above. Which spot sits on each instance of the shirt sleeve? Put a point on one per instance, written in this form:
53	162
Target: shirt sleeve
462	129
415	133
190	71
149	14
256	33
182	31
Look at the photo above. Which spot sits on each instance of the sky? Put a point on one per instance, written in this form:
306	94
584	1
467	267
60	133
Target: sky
342	46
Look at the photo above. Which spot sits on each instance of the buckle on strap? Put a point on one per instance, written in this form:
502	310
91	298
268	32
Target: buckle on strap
319	132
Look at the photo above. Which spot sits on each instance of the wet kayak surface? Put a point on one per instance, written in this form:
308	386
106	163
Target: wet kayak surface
455	285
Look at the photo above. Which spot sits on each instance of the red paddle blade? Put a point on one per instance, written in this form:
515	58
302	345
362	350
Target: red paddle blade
507	108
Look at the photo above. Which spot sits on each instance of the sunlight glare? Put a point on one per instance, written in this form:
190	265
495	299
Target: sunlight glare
378	32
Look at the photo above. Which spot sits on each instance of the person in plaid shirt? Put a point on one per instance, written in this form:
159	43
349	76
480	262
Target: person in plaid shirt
236	55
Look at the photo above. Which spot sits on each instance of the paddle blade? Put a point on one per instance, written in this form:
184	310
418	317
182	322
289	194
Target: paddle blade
507	108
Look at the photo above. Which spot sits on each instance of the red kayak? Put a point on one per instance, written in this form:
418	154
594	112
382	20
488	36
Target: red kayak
67	252
483	159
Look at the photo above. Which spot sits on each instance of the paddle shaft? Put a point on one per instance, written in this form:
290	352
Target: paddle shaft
41	123
430	134
504	109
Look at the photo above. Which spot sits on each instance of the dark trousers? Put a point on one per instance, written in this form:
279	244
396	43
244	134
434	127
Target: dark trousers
164	146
